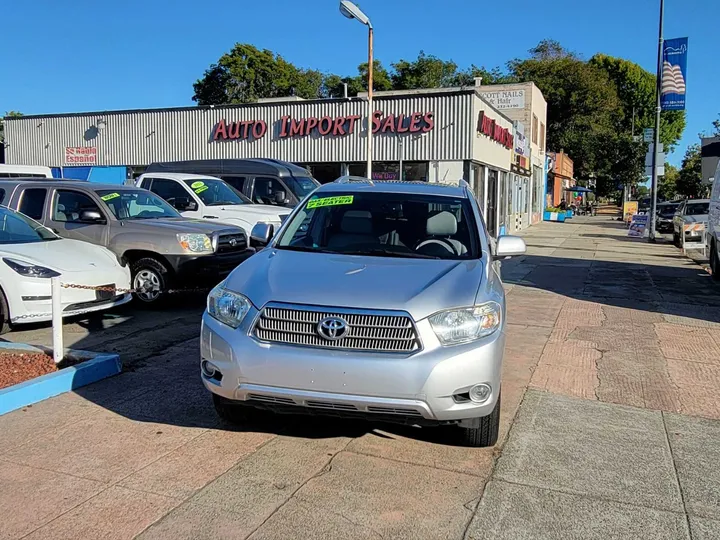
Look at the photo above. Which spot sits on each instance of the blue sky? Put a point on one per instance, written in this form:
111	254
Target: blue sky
82	55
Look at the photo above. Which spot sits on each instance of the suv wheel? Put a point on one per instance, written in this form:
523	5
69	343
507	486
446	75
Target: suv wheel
486	434
714	261
150	279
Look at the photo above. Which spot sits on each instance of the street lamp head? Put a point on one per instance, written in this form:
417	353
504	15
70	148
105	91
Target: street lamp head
351	11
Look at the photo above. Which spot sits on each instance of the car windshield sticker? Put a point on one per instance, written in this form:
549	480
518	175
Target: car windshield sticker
110	196
201	188
197	184
330	201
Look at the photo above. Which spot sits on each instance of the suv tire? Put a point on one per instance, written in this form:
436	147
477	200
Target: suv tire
714	261
486	434
232	412
152	273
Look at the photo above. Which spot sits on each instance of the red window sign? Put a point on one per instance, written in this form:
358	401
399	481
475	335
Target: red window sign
488	126
80	155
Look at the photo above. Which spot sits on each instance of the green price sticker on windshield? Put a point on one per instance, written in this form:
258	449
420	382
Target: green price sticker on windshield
198	184
200	189
330	201
110	196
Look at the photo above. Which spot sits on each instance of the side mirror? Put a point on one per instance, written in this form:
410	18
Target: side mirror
181	204
261	234
509	246
91	216
280	197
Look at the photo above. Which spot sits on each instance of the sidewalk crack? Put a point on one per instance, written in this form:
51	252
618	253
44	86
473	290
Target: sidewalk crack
677	476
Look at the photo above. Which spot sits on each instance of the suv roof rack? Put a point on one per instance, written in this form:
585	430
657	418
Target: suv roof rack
356	179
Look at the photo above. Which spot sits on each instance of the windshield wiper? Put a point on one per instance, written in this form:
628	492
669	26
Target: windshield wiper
380	252
220	203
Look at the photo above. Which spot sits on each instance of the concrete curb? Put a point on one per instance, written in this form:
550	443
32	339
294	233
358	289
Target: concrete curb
96	366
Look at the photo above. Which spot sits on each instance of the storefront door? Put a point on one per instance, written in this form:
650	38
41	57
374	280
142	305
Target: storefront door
492	202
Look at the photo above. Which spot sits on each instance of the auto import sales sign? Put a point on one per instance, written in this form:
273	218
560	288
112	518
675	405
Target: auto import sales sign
674	74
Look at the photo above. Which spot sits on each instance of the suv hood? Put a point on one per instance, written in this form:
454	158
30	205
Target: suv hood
702	218
180	225
419	286
250	212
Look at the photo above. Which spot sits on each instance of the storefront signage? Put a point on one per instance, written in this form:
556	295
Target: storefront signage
336	126
505	99
488	126
520	139
77	155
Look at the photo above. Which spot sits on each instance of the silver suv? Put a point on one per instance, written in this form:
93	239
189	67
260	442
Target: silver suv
374	299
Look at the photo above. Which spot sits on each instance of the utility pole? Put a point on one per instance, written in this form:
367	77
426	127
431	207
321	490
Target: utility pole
658	89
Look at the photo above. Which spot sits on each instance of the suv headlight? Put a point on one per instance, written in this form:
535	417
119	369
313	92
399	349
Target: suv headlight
195	243
227	307
30	270
468	324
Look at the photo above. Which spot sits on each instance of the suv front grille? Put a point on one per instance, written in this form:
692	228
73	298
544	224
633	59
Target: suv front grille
228	243
367	331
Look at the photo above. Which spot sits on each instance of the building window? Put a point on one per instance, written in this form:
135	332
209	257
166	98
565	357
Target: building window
413	171
542	137
535	130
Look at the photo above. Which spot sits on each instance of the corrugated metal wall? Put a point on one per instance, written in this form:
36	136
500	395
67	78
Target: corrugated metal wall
141	137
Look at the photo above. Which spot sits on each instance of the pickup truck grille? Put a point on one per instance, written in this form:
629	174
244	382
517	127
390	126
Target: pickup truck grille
366	331
228	243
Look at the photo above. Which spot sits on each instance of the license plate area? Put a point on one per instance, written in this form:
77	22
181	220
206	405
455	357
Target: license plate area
106	293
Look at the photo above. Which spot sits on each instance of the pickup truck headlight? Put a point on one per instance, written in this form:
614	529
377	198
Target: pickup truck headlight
227	307
30	270
456	326
195	243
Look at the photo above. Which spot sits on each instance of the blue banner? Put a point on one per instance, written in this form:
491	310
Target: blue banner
674	74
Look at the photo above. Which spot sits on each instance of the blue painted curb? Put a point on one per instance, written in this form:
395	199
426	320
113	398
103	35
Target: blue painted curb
99	367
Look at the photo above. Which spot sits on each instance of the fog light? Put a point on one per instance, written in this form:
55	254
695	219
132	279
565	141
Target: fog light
209	370
480	393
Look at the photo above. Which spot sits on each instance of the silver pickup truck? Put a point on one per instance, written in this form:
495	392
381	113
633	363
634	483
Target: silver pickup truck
164	249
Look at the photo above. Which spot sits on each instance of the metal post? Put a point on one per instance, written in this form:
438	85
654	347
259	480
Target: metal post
370	102
57	330
400	148
658	89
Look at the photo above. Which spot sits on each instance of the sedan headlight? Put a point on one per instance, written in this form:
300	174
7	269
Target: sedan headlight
227	307
30	270
468	324
195	243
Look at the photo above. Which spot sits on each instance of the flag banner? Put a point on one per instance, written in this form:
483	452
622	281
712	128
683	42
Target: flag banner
674	74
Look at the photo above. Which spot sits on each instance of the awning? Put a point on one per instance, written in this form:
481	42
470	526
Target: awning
579	189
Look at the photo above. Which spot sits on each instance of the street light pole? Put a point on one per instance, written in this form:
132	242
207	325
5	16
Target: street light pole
658	90
351	11
370	101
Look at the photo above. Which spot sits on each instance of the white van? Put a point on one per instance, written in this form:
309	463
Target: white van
24	171
714	226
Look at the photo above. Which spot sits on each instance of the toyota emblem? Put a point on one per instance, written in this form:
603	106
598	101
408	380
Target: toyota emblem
233	242
332	328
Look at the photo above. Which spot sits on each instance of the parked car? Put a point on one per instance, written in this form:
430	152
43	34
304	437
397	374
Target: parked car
263	181
714	226
690	211
31	254
400	316
163	249
665	214
206	197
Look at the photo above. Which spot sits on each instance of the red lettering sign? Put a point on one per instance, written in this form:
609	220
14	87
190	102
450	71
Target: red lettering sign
488	126
80	154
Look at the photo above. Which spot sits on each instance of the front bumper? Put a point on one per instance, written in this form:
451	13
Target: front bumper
418	388
206	269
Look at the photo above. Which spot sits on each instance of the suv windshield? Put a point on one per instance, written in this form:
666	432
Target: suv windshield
213	192
385	225
697	209
15	228
302	185
136	204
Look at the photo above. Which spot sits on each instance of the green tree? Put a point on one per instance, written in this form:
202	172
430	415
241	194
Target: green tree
333	84
636	90
427	71
11	114
689	181
667	185
466	77
246	74
716	127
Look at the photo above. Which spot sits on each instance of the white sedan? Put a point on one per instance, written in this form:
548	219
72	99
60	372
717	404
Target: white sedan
31	254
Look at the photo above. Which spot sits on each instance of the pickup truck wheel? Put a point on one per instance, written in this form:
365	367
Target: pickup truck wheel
486	434
714	261
150	279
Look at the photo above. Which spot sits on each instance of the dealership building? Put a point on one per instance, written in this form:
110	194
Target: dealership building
434	135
